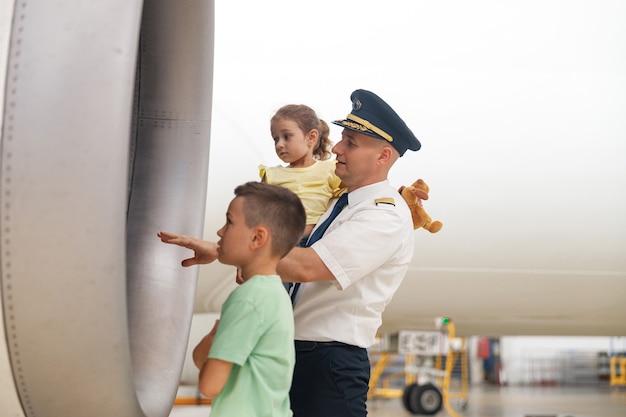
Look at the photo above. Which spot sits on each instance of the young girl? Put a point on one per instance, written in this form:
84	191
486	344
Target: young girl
301	140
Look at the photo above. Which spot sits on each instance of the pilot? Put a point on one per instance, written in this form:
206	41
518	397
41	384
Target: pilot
350	274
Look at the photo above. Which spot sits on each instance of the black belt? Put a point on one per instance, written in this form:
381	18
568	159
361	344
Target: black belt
307	346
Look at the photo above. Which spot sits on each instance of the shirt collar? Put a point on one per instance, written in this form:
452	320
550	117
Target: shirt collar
363	193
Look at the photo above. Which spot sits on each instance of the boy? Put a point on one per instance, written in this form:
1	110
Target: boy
246	362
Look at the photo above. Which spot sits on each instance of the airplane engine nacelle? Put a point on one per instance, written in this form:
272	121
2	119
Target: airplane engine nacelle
105	141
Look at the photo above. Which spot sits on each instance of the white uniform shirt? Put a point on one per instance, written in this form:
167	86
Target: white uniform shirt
368	248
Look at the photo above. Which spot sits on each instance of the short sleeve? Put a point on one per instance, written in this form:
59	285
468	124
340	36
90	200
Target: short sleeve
379	233
336	186
237	333
262	171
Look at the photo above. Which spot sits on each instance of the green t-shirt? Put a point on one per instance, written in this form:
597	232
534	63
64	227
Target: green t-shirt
255	334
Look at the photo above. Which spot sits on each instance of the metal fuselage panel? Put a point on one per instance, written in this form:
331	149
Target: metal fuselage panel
102	146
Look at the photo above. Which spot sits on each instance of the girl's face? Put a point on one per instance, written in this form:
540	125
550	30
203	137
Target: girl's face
291	144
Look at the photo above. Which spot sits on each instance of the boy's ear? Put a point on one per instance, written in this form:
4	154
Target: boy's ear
260	236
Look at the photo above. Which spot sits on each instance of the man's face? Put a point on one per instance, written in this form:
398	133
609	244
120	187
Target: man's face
357	156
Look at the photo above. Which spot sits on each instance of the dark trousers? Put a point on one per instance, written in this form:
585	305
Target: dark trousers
330	380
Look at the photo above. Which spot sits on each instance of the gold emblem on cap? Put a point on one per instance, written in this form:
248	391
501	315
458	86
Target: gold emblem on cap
371	127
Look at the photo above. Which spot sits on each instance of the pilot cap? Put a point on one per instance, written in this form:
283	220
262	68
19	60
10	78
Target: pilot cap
372	116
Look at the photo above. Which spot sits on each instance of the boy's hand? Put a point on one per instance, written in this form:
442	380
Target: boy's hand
212	333
201	351
205	252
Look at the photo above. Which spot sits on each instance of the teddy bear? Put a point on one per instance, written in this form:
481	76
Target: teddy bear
413	195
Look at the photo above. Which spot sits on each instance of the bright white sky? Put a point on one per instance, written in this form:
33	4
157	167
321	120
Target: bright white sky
520	105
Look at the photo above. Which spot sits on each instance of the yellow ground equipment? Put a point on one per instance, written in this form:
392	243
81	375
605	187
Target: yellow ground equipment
618	371
427	381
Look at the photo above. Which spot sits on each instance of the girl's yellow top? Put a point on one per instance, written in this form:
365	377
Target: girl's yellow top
315	185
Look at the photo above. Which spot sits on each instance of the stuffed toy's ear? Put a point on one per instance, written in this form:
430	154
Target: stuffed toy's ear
413	195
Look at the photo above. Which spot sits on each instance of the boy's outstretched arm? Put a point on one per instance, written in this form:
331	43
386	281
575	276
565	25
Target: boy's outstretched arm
205	252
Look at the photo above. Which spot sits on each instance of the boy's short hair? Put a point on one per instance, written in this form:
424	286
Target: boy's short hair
277	208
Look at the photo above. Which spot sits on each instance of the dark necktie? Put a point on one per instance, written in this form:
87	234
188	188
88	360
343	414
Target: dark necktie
319	232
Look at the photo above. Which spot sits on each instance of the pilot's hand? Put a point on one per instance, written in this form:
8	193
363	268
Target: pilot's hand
239	278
